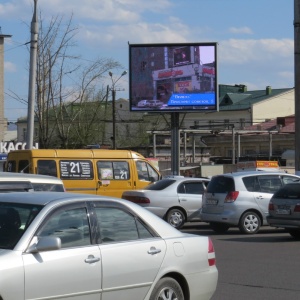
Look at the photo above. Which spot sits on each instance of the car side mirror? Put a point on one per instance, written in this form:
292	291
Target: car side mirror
152	179
45	243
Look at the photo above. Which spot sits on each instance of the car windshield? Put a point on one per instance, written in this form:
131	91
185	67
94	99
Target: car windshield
14	220
160	185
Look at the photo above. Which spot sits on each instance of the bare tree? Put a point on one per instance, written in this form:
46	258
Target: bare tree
70	90
71	98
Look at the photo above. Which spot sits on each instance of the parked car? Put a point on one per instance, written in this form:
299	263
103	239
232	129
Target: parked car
79	246
143	103
20	182
176	199
155	103
241	199
284	209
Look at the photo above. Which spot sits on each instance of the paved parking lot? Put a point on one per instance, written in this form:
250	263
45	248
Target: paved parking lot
265	266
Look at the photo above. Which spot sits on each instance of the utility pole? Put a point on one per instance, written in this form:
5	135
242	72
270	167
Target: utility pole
32	78
113	90
2	119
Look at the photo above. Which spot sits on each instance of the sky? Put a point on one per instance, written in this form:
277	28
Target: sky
255	38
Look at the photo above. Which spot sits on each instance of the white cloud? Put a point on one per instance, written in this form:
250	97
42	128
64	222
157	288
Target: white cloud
240	30
139	32
10	67
121	11
14	8
236	51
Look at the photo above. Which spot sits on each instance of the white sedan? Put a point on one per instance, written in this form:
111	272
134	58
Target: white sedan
175	199
76	246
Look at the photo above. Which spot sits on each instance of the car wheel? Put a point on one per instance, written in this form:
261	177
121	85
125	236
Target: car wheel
294	233
167	289
219	227
249	223
176	218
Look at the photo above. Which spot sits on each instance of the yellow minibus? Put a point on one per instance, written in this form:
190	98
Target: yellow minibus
91	171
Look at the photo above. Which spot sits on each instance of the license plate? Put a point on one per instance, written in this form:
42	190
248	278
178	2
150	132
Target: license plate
283	211
211	201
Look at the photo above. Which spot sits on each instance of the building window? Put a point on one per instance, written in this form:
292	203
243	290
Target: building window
242	123
24	134
226	123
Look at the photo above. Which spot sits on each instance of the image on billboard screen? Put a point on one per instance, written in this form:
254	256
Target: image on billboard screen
173	77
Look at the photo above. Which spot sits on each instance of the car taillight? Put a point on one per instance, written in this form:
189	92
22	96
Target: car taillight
297	208
231	196
211	253
137	199
271	206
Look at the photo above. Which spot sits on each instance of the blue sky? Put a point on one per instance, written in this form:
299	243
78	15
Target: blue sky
255	38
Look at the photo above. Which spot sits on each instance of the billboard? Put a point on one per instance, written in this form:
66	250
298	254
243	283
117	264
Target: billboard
173	77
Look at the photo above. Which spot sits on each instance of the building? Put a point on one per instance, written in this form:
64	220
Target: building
248	123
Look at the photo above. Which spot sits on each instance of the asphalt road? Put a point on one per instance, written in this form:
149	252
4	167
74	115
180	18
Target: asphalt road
264	266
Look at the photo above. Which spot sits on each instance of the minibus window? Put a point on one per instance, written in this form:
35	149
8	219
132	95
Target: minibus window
11	166
118	170
23	166
46	167
146	172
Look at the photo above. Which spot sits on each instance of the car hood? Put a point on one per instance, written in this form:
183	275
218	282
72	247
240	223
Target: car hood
4	251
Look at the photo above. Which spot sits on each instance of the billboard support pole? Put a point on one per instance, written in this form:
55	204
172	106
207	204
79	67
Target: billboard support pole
297	83
175	144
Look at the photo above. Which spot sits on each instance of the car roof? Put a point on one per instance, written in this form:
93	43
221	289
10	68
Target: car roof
249	173
182	178
43	198
58	198
9	176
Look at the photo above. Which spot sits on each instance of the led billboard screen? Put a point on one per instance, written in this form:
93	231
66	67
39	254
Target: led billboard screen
173	77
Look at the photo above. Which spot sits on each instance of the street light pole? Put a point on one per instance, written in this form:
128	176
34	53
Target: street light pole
114	117
113	91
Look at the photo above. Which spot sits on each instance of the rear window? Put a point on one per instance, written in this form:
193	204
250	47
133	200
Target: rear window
160	185
48	187
289	191
221	184
15	186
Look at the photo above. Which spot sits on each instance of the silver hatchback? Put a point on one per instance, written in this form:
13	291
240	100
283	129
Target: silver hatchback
241	199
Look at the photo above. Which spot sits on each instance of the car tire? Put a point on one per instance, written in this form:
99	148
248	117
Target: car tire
167	288
219	227
176	218
249	223
295	233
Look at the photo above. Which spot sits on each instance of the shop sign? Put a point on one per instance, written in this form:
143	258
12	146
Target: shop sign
169	73
208	71
6	147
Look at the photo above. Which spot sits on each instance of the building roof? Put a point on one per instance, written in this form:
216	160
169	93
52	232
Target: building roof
238	98
282	124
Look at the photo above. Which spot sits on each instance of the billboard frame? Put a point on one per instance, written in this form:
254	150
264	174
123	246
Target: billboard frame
162	81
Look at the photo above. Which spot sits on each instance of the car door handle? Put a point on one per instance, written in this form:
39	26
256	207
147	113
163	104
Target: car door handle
153	251
91	259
